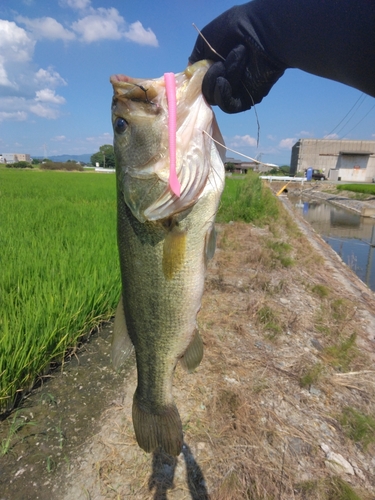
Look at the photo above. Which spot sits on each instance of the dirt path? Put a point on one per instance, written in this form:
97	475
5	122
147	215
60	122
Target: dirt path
289	344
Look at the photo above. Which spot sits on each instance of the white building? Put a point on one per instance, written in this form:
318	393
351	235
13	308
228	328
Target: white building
14	157
349	161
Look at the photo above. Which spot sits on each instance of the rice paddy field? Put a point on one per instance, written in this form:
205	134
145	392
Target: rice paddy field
59	274
59	263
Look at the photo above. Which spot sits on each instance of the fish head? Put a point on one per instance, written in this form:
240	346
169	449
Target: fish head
140	125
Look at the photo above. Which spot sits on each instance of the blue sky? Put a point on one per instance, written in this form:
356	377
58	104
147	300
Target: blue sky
56	57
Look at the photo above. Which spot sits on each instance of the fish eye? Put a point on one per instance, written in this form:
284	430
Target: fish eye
120	125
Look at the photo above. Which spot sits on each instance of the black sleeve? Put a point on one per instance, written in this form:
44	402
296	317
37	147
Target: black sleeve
334	39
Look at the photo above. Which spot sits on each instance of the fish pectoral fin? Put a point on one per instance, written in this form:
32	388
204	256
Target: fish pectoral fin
210	243
122	346
193	354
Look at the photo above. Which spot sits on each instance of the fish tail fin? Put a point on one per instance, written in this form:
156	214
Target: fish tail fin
163	429
193	354
121	344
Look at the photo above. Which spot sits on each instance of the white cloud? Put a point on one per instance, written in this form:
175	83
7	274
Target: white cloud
59	138
243	140
137	33
101	24
46	27
75	4
108	24
287	143
44	111
15	43
49	77
331	136
48	95
106	136
13	116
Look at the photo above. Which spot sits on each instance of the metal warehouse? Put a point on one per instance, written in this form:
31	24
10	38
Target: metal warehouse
338	160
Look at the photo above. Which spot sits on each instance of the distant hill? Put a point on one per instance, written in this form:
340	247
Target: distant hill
62	158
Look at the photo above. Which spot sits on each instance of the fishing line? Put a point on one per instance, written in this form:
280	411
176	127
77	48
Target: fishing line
251	97
234	151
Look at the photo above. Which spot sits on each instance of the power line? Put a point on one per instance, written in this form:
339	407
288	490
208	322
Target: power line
360	121
363	97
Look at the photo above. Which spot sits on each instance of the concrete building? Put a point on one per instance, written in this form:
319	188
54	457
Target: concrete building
14	157
349	161
241	167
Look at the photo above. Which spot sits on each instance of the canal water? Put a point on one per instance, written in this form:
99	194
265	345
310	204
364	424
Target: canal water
349	234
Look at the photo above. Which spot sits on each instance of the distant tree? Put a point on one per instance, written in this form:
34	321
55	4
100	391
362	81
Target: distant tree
105	157
36	161
19	164
229	167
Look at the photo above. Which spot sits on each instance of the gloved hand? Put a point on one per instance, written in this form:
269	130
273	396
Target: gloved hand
247	73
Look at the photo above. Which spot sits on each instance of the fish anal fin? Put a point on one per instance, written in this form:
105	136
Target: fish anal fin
122	346
173	252
193	354
163	429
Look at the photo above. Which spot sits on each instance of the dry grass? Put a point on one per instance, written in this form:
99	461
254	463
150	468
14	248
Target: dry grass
286	351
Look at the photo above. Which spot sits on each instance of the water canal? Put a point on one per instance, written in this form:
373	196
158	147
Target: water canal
349	234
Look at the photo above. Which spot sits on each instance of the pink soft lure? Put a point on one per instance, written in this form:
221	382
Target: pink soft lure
170	86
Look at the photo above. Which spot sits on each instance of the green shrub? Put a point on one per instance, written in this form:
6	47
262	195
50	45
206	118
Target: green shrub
69	166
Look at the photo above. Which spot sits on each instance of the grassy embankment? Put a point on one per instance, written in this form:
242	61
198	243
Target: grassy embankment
59	268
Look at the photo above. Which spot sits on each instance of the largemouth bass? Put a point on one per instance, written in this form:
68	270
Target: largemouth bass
164	240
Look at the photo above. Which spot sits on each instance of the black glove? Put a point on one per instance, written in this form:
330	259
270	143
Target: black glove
247	73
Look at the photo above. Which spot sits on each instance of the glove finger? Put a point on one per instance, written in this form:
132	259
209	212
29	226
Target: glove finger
227	100
236	63
209	81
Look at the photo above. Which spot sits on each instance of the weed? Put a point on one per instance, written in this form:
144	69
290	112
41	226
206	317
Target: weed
16	424
270	320
248	200
320	290
311	376
358	426
338	489
342	354
331	488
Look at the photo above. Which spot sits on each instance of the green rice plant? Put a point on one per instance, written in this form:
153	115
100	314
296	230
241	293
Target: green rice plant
357	188
358	426
59	268
247	200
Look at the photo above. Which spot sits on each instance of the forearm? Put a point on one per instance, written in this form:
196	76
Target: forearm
329	38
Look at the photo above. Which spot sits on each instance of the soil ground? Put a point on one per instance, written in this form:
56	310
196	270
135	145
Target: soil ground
289	334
